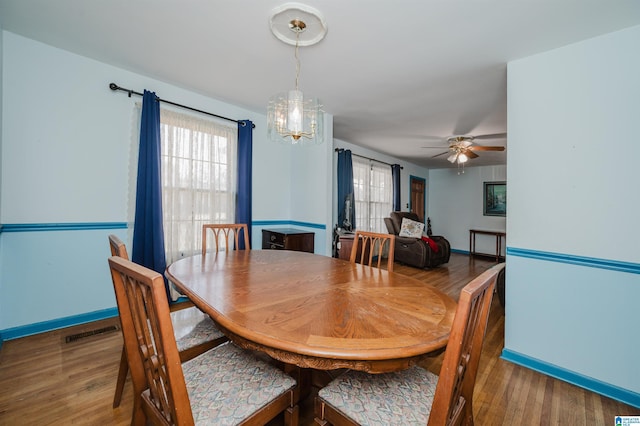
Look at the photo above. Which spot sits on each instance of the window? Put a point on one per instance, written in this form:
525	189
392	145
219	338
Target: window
373	194
199	167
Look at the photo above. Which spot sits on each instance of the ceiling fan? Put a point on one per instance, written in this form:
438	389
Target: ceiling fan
462	148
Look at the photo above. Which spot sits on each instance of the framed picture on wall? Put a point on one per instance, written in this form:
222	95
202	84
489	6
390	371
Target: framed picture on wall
495	199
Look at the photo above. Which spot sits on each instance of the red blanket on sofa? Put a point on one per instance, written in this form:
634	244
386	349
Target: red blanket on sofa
431	243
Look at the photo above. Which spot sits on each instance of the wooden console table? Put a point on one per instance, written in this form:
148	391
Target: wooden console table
472	242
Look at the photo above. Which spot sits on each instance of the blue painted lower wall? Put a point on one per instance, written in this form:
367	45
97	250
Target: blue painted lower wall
56	324
575	318
59	273
51	272
28	263
614	392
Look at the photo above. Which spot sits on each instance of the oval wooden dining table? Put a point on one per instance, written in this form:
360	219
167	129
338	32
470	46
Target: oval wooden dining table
315	311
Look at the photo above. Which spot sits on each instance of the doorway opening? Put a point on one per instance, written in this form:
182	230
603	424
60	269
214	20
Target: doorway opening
417	197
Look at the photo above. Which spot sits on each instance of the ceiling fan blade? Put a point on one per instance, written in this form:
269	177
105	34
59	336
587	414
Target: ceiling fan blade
492	136
470	153
438	155
486	148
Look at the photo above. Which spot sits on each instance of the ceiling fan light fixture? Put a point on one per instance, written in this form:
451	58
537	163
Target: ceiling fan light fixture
292	117
464	141
463	149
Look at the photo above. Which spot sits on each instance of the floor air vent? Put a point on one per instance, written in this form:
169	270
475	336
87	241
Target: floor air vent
78	336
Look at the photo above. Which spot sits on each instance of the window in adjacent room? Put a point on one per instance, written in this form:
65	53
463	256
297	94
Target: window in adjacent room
373	194
199	177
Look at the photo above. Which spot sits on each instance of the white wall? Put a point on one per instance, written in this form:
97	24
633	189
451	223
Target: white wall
311	180
307	172
79	119
573	282
66	141
456	205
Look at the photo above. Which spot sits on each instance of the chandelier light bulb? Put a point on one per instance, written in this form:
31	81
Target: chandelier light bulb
295	113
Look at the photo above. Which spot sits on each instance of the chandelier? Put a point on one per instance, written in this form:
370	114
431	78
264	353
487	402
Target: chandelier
292	117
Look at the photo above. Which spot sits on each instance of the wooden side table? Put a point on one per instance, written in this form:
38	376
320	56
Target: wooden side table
346	246
472	242
346	243
288	239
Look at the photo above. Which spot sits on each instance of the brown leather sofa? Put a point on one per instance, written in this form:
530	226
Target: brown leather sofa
415	251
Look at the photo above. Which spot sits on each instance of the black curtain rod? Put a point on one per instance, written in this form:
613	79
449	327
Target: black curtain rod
130	92
367	158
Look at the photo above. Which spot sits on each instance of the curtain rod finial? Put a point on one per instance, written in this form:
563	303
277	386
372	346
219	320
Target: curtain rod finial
113	86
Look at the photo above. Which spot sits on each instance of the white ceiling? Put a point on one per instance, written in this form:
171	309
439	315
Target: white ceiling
396	75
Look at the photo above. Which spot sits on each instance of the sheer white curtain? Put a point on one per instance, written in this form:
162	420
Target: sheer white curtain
361	172
381	201
373	193
199	177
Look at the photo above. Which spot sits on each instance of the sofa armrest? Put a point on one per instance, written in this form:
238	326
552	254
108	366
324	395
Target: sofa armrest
406	240
390	228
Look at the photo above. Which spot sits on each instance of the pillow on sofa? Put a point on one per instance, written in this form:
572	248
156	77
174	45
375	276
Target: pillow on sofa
411	228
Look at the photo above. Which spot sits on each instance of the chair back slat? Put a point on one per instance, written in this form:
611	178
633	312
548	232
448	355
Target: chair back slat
369	247
226	233
452	403
149	338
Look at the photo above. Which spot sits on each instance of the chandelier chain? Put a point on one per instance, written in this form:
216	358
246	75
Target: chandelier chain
297	59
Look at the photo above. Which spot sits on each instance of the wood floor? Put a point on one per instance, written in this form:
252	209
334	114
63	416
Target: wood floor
46	381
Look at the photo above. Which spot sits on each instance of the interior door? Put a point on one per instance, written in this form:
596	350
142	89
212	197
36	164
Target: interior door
418	186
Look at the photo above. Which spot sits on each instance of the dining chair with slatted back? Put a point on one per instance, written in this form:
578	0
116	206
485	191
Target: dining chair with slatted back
417	396
204	389
369	248
223	233
197	333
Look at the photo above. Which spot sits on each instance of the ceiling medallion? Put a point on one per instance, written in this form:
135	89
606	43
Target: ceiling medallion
314	30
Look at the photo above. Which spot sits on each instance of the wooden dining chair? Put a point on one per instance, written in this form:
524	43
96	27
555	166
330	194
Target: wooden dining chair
222	233
201	332
225	385
369	247
417	396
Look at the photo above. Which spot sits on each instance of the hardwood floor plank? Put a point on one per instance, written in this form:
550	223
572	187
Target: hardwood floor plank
46	381
535	398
